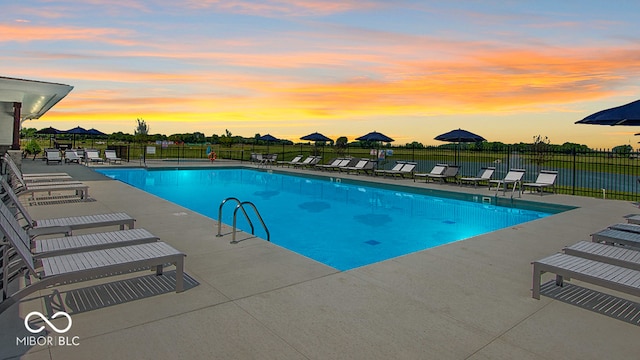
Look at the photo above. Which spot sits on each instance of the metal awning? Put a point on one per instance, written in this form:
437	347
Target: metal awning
36	97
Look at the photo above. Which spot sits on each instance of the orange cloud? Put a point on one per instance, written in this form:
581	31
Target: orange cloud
26	32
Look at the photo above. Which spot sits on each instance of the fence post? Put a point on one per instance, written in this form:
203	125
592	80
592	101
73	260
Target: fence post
573	186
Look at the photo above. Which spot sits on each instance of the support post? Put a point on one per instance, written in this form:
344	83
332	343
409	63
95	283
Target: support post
17	106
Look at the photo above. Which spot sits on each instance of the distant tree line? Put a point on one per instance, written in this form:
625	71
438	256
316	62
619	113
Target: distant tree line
228	139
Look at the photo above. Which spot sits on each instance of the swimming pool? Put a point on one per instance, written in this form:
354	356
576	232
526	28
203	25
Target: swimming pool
343	225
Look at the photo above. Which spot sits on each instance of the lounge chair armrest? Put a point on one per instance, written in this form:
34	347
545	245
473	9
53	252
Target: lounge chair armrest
49	231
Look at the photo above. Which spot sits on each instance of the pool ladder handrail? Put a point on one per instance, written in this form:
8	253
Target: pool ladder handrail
240	206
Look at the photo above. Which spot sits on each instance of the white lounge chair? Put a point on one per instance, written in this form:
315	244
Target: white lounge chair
293	161
78	243
546	179
407	169
437	170
93	156
335	162
398	165
111	157
615	255
359	166
79	189
12	167
612	236
65	224
81	266
513	178
451	172
71	156
625	227
309	161
53	156
484	174
344	163
609	276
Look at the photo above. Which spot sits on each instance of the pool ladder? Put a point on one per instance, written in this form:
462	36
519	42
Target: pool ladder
240	206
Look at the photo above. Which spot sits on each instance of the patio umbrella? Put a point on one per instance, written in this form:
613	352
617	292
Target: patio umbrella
94	132
77	131
375	137
459	136
628	114
316	136
268	138
51	131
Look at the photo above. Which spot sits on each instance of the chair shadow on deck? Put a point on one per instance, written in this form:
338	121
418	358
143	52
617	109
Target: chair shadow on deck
592	300
114	293
55	200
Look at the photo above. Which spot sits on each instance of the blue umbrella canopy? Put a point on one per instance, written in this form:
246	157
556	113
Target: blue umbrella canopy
50	130
268	137
375	136
316	136
628	114
95	132
459	135
78	131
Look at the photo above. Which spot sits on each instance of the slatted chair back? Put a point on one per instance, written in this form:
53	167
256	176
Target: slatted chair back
14	199
361	164
486	173
547	177
12	166
17	236
451	171
438	169
514	175
408	167
397	166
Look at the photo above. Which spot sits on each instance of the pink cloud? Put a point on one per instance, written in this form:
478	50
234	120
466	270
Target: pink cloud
282	7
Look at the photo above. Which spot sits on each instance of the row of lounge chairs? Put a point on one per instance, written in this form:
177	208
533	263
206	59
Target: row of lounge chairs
350	165
88	156
440	172
513	179
43	263
43	183
611	260
401	169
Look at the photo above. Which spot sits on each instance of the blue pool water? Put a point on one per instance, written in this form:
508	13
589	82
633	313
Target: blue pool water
341	225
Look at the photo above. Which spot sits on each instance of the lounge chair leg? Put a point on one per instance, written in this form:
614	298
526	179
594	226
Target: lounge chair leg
536	282
559	280
159	270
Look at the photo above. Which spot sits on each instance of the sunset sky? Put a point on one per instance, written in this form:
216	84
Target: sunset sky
507	70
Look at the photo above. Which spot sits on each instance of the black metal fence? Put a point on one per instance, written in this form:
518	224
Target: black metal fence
595	173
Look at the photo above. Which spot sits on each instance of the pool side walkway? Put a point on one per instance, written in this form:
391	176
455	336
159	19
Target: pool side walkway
255	300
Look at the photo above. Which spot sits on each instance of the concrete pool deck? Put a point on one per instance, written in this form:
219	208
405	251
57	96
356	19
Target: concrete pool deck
466	300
